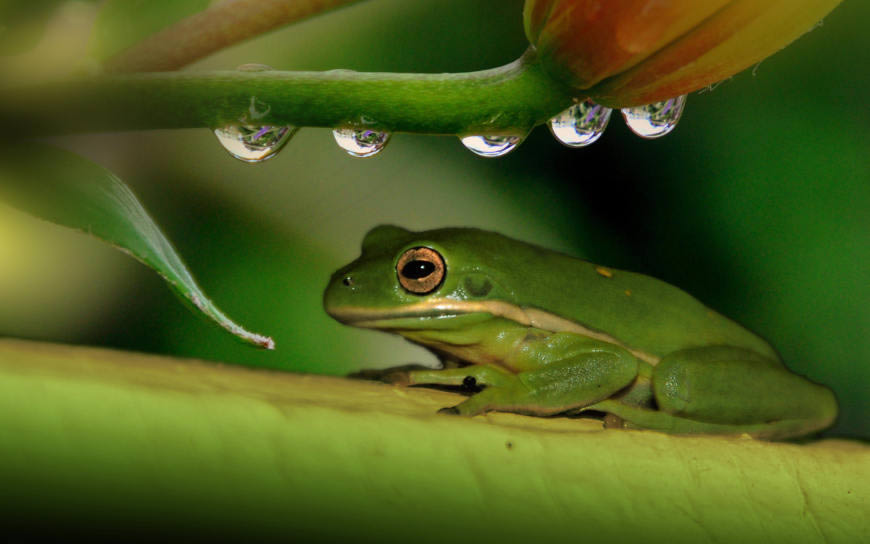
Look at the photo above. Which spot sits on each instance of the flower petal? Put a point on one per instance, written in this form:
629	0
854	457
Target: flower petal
634	52
585	41
742	34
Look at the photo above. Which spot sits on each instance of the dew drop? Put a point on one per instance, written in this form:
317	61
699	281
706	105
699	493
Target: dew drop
361	142
250	143
492	146
656	119
581	124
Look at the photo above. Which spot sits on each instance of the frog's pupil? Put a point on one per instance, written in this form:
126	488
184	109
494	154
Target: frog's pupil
416	270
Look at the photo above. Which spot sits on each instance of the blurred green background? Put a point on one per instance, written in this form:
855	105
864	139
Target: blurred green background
758	203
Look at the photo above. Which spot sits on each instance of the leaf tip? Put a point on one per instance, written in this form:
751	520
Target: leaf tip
258	340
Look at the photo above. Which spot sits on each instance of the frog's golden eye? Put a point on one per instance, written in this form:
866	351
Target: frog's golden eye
421	270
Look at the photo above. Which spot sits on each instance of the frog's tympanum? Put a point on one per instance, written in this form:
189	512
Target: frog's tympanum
543	333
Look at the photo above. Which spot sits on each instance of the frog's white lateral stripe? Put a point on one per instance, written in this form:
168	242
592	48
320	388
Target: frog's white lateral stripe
532	317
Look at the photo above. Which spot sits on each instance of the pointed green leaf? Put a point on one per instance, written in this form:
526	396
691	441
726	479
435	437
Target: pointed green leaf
64	188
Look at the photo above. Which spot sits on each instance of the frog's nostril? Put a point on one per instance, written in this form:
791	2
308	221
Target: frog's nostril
348	281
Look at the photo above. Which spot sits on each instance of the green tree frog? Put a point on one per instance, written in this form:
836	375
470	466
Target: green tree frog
538	332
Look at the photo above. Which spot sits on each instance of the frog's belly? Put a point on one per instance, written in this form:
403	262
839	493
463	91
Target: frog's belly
492	342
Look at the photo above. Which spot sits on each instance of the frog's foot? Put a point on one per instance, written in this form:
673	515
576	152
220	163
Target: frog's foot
492	398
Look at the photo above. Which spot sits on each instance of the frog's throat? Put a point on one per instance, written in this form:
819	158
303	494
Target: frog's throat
531	317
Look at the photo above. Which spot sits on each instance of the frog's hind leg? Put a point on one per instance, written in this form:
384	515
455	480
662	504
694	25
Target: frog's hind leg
731	391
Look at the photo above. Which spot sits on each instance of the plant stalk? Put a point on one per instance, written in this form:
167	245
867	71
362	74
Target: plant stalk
502	100
220	26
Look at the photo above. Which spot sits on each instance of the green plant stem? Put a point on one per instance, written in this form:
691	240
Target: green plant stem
221	25
503	100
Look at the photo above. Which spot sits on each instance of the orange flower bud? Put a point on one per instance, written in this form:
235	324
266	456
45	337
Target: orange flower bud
634	52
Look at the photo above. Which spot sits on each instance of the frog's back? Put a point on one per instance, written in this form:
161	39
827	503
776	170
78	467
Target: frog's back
640	312
650	315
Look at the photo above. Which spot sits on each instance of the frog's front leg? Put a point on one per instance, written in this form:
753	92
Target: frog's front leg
566	371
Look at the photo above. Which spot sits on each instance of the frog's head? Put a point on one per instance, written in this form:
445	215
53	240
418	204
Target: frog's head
407	280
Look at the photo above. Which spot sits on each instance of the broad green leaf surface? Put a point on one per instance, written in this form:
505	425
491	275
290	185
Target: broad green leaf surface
64	188
95	440
122	23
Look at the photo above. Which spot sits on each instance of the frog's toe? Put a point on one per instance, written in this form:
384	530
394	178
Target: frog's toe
612	421
390	376
470	407
399	375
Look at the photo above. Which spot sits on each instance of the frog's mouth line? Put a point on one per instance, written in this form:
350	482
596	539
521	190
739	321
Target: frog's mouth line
426	314
430	312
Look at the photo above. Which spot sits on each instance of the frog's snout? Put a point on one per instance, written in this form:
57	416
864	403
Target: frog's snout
341	286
